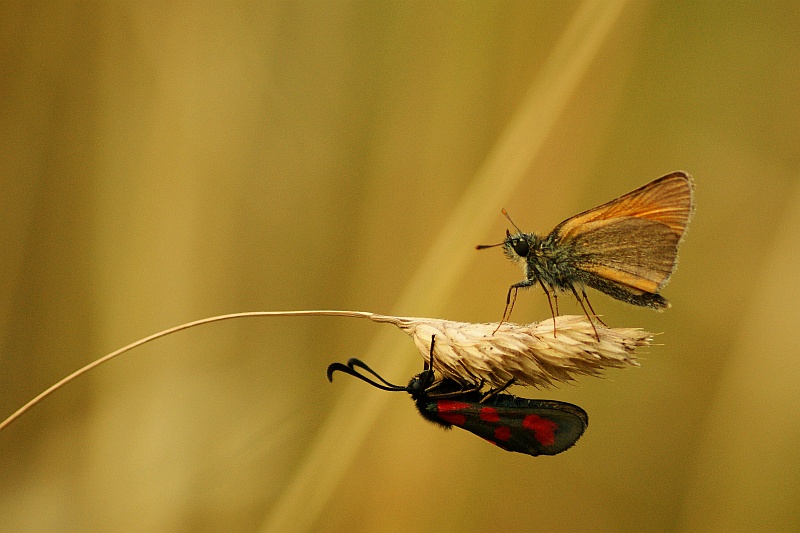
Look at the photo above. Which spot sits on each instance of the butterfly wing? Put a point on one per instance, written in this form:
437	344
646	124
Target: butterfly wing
632	241
533	427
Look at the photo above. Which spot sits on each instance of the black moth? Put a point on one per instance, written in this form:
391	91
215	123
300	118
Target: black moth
533	427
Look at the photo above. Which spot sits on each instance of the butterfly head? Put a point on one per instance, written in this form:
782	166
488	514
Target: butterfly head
516	245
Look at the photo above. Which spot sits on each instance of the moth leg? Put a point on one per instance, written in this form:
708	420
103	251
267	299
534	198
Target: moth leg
585	312
494	392
427	369
431	385
430	391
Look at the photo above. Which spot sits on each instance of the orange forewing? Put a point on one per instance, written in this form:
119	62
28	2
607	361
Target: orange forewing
667	200
633	240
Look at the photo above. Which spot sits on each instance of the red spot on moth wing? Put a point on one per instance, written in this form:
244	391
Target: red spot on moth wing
450	405
502	433
489	414
446	410
454	418
544	430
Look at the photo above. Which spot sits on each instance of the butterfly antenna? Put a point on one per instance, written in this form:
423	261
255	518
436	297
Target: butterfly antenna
508	234
484	246
505	214
350	369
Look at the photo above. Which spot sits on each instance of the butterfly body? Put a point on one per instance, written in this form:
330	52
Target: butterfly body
626	248
562	266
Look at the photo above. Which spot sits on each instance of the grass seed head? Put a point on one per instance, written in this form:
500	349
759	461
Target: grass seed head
531	354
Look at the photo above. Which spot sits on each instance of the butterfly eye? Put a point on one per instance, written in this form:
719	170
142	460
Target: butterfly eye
520	246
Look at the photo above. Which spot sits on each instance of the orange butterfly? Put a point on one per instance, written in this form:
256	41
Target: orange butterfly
626	248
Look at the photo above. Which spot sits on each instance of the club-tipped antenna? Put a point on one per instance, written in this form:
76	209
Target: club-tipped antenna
508	234
505	214
483	246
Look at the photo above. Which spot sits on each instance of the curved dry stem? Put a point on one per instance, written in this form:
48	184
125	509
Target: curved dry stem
94	364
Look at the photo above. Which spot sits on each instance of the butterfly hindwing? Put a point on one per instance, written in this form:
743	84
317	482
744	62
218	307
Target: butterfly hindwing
642	257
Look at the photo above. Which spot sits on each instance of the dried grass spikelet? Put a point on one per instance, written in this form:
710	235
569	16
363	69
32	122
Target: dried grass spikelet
531	354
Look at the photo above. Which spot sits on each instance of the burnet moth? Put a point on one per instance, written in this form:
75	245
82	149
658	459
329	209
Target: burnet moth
533	427
626	248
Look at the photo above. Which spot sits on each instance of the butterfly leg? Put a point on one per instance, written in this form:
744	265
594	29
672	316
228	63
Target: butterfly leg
585	297
509	304
505	309
555	301
585	312
553	311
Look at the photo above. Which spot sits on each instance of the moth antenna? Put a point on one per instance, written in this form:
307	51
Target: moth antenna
354	363
350	370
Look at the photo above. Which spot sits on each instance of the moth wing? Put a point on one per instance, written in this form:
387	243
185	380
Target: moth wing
533	427
633	240
542	427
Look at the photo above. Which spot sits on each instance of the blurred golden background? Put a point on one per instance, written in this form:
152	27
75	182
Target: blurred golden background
163	163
